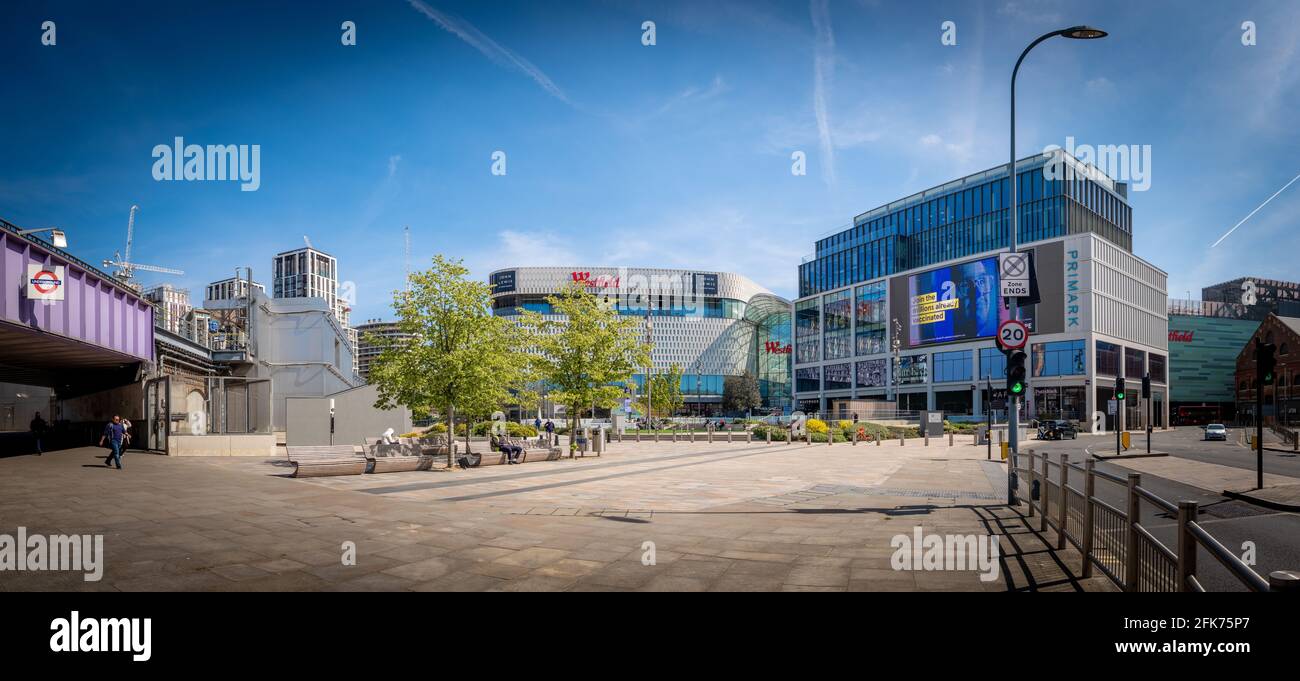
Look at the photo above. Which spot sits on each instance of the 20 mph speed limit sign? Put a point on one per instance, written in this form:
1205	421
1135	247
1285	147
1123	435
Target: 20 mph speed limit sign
1012	334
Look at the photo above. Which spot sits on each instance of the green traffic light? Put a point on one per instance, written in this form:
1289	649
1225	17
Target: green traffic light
1018	388
1119	396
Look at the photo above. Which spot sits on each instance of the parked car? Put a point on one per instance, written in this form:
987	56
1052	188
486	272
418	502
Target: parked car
1057	430
1216	431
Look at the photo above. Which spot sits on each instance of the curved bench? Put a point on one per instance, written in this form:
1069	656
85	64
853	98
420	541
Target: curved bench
405	455
323	460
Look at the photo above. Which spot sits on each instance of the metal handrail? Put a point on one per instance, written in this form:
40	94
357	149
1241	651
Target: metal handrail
1137	546
1227	558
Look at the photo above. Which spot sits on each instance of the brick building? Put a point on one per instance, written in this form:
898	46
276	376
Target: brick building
1280	399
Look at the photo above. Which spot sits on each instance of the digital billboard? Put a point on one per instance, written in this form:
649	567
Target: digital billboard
954	303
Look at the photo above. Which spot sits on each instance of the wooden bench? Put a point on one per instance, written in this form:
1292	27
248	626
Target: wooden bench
322	460
495	457
404	455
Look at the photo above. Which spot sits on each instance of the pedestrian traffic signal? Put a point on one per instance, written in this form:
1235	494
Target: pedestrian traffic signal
1146	386
1119	387
1265	361
1016	373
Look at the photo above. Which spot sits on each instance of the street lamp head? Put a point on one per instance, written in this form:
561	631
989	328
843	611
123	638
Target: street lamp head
58	238
1084	33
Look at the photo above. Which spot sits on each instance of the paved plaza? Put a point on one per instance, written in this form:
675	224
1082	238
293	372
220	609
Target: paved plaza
720	516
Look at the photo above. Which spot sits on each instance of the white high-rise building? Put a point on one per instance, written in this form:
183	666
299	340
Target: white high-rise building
311	273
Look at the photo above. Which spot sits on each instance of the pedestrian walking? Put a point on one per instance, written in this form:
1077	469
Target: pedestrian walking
115	435
39	427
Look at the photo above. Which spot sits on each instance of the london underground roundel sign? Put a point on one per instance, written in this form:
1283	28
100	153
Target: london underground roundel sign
1013	334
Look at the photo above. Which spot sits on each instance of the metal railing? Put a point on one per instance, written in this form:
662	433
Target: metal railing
1114	540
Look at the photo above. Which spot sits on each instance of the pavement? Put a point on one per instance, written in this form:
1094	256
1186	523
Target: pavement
647	516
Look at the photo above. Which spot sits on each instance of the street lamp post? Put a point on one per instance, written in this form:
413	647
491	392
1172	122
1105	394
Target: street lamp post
57	237
649	374
1013	411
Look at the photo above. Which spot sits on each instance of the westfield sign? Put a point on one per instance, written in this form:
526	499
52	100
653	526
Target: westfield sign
777	348
598	281
1181	336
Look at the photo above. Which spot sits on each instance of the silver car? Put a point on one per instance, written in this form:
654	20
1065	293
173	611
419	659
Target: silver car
1216	431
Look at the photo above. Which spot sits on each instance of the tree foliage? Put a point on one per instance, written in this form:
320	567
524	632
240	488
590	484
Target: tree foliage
587	358
741	393
457	356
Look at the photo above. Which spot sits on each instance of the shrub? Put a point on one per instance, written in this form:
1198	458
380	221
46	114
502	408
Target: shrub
817	426
437	429
846	426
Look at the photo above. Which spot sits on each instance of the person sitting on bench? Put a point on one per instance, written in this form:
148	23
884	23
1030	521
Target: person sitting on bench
512	452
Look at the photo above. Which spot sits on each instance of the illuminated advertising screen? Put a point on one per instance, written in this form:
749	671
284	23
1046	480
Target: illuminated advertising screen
954	303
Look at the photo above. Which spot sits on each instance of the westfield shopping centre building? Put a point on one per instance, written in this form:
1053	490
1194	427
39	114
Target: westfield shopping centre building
903	307
711	324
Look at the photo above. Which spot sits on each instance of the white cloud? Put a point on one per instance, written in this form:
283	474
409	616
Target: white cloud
392	164
931	140
823	70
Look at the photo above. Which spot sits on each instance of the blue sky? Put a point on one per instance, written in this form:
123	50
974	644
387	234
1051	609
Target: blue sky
674	155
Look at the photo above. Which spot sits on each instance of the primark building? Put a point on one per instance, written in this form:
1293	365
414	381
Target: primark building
902	308
710	324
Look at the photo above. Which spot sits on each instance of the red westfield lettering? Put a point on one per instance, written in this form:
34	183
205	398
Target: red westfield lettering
599	281
778	348
1181	336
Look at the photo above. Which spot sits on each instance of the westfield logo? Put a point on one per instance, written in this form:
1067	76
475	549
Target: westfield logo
1181	336
777	348
599	281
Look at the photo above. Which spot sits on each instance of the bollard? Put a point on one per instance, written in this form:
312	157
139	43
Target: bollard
878	441
710	435
769	430
728	436
692	436
807	435
1284	580
1089	482
830	437
638	434
901	443
1131	537
749	436
1062	497
1187	546
927	439
951	438
855	435
674	436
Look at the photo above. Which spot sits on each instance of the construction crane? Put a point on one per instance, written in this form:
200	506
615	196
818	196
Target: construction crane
125	268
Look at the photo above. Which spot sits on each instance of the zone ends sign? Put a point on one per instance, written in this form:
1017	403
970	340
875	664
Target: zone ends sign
45	282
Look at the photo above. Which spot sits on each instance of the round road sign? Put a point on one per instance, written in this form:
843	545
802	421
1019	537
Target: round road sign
1013	334
45	281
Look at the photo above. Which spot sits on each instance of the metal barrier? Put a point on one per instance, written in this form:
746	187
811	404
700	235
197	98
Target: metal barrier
1114	540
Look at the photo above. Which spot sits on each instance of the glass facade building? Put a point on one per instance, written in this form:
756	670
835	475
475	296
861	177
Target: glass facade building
903	306
970	216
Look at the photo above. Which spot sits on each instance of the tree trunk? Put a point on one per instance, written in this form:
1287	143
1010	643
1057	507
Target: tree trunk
451	433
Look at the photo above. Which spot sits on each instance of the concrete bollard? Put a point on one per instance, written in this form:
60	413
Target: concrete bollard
901	443
749	436
952	436
710	433
638	430
769	430
692	435
807	436
674	436
830	437
728	436
855	436
878	441
1284	580
927	440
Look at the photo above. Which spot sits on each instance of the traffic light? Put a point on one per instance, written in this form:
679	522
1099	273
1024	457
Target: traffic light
1146	386
1119	387
1265	361
1016	373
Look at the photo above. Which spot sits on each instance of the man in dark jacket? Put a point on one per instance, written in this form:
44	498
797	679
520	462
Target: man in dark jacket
39	427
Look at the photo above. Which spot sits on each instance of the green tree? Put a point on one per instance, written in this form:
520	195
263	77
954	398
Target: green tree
667	391
741	393
587	358
458	355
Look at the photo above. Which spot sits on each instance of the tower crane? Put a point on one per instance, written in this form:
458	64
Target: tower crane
125	268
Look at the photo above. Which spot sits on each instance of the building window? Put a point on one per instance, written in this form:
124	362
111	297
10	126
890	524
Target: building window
1156	365
869	308
807	379
807	331
1108	355
912	370
1064	358
993	363
1134	363
836	312
952	366
871	373
838	377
